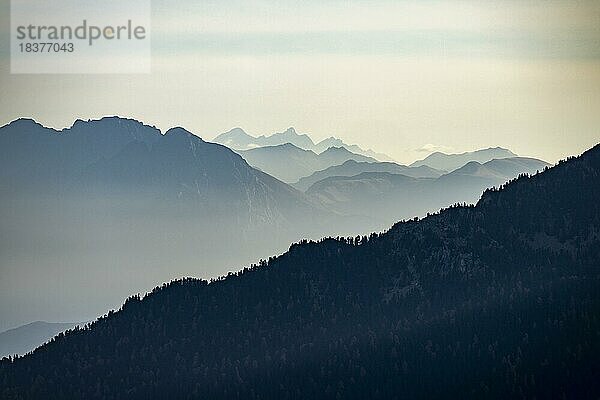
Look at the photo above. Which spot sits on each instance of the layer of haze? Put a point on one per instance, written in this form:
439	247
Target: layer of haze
401	77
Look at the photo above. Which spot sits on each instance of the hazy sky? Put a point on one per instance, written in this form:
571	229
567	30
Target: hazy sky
401	77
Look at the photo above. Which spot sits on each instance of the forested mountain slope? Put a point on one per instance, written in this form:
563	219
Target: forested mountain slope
497	300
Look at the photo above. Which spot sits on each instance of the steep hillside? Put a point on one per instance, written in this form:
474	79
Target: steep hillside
498	300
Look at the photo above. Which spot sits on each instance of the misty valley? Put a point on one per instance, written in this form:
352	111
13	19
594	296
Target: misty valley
276	267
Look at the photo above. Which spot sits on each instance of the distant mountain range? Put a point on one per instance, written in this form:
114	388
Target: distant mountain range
450	162
495	300
119	205
26	338
238	139
352	168
387	197
290	163
115	203
125	156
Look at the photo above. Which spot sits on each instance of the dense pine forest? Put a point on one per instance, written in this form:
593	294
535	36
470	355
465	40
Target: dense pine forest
496	300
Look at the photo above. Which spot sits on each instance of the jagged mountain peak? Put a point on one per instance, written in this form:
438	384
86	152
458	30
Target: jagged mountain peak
113	121
238	139
233	133
23	122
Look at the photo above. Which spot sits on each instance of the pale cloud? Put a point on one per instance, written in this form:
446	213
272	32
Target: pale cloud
285	17
432	148
510	29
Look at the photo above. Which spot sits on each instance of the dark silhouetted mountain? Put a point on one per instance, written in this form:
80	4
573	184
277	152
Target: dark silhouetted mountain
290	163
352	168
498	300
35	155
237	139
450	162
23	339
123	153
385	197
115	204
